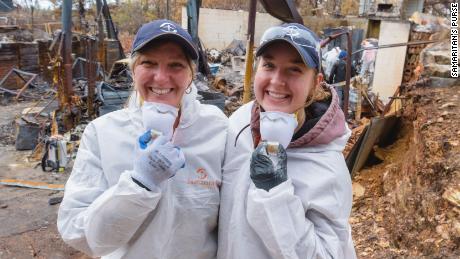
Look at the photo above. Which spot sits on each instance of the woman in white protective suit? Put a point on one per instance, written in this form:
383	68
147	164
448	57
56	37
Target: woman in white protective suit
146	179
286	190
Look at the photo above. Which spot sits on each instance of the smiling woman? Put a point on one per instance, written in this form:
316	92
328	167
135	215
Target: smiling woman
286	189
162	72
283	82
145	183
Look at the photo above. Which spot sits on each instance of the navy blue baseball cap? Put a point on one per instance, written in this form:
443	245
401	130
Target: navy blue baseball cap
306	42
164	29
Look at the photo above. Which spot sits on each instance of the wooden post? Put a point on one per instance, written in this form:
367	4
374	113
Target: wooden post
249	51
358	85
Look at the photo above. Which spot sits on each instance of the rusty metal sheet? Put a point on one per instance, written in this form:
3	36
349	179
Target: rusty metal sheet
284	10
19	73
351	157
377	129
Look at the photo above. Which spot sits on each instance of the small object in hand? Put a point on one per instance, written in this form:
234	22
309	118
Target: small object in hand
154	134
148	137
272	148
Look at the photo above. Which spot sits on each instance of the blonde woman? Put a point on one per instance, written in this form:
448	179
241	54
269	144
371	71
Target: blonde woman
286	189
146	179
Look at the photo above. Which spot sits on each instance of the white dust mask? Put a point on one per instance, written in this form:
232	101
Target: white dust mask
277	127
159	117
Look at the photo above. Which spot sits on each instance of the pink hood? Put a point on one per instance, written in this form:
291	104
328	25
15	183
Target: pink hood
330	126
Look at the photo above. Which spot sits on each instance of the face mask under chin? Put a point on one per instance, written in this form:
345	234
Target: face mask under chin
277	127
159	117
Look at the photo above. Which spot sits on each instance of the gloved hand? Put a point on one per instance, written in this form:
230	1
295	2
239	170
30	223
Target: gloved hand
156	160
264	172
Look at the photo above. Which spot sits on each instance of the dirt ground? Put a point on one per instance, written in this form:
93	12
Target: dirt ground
403	207
408	205
28	223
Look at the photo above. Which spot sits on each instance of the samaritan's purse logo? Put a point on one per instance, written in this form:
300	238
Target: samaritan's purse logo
202	179
168	27
202	173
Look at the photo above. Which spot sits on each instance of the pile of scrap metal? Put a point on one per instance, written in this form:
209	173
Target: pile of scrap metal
224	57
227	67
9	85
19	61
76	86
233	92
228	74
427	63
83	76
232	55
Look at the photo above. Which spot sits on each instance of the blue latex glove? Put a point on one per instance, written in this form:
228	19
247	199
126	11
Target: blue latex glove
156	160
264	173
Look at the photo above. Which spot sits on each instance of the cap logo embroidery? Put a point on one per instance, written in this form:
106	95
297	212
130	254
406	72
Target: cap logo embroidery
168	27
292	31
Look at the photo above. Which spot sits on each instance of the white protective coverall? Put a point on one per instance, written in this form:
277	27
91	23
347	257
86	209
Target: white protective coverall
304	217
104	212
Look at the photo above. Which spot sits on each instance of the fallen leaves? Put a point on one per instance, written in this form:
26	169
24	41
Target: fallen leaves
358	190
448	105
409	206
452	195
